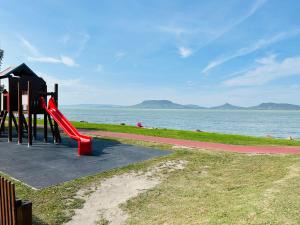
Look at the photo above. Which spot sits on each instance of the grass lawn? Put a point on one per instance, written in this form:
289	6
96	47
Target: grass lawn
214	188
189	135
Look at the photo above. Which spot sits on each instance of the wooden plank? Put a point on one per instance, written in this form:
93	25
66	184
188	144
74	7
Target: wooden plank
20	111
8	188
1	222
13	200
35	126
2	215
5	203
10	113
29	114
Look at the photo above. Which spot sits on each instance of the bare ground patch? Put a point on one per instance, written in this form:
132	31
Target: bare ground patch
102	200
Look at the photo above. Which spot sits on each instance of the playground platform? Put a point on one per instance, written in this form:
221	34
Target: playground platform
47	164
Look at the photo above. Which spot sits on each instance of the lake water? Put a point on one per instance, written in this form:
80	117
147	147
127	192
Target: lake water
247	122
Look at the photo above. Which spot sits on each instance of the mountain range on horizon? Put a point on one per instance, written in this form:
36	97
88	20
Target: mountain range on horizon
167	104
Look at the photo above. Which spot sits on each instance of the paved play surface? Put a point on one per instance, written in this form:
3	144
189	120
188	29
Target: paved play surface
44	165
199	144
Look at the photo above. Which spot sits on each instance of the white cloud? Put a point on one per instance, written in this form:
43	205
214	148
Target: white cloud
68	61
260	44
77	40
184	52
267	60
120	55
269	69
29	47
199	34
65	39
44	59
71	89
83	40
172	30
37	56
99	68
256	6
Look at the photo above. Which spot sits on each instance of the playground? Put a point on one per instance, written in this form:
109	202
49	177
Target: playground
34	156
141	177
40	165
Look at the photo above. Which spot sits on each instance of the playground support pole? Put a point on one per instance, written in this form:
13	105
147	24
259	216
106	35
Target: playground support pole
57	138
1	99
45	120
34	125
20	121
29	114
9	114
56	94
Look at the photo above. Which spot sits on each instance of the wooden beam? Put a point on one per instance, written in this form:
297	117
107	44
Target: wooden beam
20	112
45	120
9	114
35	126
29	113
56	129
56	94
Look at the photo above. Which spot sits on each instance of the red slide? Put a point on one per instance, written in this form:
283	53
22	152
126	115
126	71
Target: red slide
84	142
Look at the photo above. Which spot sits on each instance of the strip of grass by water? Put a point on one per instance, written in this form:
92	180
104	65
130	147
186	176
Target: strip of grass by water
189	135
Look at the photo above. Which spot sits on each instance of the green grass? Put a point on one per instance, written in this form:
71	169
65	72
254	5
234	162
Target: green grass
223	188
190	135
55	205
215	188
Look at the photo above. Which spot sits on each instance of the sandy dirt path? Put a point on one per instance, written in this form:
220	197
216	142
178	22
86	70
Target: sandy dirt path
103	200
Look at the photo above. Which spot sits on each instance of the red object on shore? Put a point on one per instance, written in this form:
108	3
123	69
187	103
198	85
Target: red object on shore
139	124
84	142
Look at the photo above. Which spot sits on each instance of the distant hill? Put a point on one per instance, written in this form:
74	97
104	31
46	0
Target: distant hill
276	106
167	104
163	104
227	106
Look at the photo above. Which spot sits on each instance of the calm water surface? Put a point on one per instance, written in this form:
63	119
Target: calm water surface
258	123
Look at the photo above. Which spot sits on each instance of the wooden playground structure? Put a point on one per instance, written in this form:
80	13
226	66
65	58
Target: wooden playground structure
24	98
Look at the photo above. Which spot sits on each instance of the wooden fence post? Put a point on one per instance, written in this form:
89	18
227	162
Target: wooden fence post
12	211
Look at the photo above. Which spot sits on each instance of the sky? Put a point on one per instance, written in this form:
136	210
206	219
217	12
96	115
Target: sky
191	52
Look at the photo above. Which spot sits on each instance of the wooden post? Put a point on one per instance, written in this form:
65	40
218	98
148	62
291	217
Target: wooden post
34	125
29	114
1	94
24	213
45	120
9	114
56	94
20	112
13	211
57	138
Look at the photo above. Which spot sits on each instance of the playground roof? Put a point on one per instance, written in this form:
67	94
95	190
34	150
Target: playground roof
21	70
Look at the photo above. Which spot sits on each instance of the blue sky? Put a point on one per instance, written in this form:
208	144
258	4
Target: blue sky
192	52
